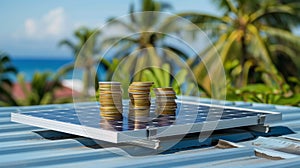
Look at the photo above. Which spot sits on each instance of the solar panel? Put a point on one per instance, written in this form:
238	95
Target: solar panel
189	117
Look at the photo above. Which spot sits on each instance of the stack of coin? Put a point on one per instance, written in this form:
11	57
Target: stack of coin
110	98
140	101
165	101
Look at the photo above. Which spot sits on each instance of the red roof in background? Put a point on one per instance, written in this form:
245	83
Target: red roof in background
63	92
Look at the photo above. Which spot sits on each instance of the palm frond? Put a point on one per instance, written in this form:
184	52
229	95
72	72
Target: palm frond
196	17
265	55
282	34
178	52
279	9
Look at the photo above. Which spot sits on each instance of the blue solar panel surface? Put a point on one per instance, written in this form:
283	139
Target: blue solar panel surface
185	113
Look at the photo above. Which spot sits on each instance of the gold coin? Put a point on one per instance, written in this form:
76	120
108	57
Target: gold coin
162	94
141	104
147	100
164	103
110	114
139	87
115	115
164	99
111	102
109	83
165	113
109	93
119	106
167	103
142	83
141	98
138	90
139	95
132	107
113	118
115	111
110	98
110	90
164	89
111	105
111	111
110	108
139	110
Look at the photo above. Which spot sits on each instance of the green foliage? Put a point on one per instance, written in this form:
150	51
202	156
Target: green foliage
257	47
263	94
6	71
41	91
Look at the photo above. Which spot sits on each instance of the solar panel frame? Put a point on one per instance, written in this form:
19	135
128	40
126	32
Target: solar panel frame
43	119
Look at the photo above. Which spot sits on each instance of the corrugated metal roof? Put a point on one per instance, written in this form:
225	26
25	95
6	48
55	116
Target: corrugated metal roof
28	146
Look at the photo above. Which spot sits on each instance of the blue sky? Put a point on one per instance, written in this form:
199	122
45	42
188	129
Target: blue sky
33	28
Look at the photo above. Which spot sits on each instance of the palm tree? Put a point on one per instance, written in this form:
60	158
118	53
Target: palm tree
255	34
41	91
143	42
84	51
6	71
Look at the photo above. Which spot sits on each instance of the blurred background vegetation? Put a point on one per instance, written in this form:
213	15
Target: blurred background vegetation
254	40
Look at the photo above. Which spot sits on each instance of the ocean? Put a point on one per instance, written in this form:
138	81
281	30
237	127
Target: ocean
28	66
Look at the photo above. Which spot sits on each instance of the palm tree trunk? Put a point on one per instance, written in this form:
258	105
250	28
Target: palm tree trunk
241	79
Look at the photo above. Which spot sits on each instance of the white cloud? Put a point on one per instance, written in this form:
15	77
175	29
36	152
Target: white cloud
30	27
54	21
52	24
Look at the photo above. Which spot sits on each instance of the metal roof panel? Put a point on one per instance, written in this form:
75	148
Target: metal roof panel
27	146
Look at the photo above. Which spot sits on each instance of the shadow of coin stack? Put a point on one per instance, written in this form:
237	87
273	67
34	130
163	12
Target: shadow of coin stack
165	101
139	105
110	98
